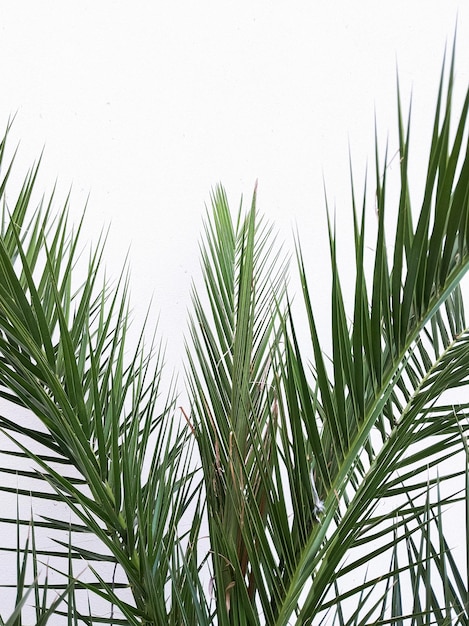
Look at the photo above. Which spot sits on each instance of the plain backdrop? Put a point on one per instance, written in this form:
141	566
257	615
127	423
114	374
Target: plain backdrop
143	107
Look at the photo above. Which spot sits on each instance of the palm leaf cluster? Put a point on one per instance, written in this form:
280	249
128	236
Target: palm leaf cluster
65	358
300	488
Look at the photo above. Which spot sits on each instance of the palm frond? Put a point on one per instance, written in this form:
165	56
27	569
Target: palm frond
104	442
234	337
380	408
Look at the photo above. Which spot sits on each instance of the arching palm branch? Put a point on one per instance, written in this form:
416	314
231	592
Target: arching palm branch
104	442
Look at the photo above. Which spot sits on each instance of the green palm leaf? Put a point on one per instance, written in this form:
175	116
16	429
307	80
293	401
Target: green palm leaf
380	407
105	442
234	339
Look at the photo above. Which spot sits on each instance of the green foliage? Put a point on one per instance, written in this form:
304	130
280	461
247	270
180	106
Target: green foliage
294	492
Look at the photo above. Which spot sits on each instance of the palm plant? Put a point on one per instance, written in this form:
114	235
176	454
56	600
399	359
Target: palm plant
298	489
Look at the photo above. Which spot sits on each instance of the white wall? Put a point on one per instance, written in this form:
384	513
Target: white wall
145	106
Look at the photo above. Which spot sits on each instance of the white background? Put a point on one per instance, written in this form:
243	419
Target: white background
145	106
